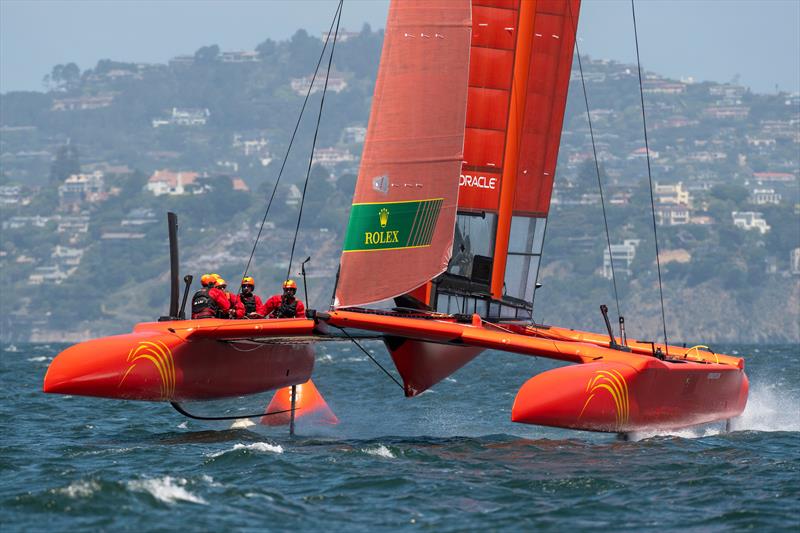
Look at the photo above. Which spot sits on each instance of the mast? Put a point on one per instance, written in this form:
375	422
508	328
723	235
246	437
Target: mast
519	84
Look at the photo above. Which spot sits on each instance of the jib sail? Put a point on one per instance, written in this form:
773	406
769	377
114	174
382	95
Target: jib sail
400	232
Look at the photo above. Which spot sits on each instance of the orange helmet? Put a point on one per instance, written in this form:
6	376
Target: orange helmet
290	284
248	281
207	279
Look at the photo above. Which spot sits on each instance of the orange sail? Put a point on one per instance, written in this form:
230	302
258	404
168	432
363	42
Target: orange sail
400	231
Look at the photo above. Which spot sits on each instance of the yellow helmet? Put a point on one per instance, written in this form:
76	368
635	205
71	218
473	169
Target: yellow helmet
248	281
290	284
207	279
221	283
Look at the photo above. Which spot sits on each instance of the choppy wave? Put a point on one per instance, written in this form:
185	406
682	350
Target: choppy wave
80	489
380	451
253	447
445	461
166	489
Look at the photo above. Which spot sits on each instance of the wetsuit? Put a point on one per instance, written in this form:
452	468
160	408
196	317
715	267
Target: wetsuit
276	308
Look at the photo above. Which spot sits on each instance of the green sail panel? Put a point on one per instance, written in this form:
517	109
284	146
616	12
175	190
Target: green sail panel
391	225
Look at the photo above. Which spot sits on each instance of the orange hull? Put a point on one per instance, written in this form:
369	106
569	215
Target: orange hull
608	390
644	395
176	361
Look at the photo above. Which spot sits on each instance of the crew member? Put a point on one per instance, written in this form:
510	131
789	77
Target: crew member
235	309
251	304
210	301
285	305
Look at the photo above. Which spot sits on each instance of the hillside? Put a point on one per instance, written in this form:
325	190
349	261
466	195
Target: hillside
89	167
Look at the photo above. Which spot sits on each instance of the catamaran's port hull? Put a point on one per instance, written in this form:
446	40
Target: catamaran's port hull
186	360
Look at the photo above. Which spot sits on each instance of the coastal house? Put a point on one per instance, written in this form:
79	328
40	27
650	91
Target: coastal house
293	196
623	255
10	195
750	220
764	197
240	56
82	188
173	183
672	214
641	153
330	157
354	135
184	117
140	216
66	256
672	194
82	103
300	86
50	274
75	224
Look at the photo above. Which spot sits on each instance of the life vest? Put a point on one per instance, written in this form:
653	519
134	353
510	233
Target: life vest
249	303
286	310
203	305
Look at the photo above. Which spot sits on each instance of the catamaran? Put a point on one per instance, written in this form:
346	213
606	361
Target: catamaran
447	225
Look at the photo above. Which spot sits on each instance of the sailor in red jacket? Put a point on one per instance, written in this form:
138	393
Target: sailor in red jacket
236	309
285	305
210	301
247	303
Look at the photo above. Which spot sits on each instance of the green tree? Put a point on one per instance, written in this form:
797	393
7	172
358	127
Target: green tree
66	163
207	55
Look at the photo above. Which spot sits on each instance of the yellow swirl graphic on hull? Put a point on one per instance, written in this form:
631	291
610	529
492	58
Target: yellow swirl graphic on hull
159	354
612	382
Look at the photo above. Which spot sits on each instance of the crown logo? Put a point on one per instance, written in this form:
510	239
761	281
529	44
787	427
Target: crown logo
383	215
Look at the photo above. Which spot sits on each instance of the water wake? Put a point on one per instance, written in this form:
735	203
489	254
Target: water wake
769	408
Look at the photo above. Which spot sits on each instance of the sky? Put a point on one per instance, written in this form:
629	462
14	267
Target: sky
756	42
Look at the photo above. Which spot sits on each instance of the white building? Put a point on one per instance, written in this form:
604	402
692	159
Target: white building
79	188
330	157
765	197
749	220
293	196
48	274
172	183
301	85
794	262
673	215
184	117
674	194
64	255
623	254
354	135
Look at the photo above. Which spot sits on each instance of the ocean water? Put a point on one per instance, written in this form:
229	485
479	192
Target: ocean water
449	460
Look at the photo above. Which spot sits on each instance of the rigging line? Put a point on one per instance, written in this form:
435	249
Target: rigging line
650	179
314	141
599	182
291	143
370	356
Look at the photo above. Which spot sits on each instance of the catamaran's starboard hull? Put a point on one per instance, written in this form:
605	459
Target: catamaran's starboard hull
186	360
618	397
